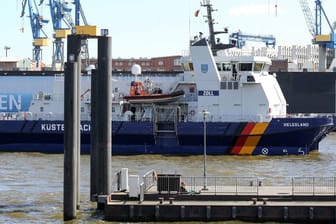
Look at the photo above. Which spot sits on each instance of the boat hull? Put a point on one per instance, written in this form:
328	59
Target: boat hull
281	136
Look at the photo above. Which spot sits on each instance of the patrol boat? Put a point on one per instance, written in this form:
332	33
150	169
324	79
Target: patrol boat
230	106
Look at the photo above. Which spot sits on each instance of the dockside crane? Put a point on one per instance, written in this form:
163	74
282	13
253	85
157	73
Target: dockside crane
315	28
36	23
239	39
62	26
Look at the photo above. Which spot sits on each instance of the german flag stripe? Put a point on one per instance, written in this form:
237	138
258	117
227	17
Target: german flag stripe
239	144
249	138
248	128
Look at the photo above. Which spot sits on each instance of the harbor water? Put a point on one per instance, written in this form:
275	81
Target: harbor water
31	184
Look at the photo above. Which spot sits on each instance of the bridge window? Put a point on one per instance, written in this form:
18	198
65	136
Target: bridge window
224	67
245	66
188	66
258	67
219	66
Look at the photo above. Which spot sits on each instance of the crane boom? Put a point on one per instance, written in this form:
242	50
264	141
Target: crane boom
60	12
308	15
79	13
239	38
324	41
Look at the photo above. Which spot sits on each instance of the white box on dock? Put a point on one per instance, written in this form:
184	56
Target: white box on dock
124	179
133	186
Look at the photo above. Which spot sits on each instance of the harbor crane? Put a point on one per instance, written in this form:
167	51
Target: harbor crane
315	28
36	23
63	25
239	39
60	13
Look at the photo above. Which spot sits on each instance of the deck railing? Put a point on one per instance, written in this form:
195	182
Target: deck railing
217	185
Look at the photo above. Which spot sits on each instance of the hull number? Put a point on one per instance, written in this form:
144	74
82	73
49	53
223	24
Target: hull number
208	93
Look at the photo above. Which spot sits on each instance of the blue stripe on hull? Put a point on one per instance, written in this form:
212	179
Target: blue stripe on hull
284	136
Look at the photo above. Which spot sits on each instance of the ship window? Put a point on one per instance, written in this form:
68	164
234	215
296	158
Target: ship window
245	66
41	109
258	67
223	85
191	66
229	85
82	109
191	90
235	85
185	66
47	97
219	66
250	78
226	67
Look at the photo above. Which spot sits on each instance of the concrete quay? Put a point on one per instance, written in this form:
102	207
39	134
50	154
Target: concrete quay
270	204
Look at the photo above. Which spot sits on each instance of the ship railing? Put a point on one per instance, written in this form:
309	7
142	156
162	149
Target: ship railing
251	186
311	115
10	116
232	117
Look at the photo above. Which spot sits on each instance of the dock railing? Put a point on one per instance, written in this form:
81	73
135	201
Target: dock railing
149	180
221	185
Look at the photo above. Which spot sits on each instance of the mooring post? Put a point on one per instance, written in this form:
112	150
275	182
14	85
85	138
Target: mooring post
78	110
94	141
104	116
71	129
70	143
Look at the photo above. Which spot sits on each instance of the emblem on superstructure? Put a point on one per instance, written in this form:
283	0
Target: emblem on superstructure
204	68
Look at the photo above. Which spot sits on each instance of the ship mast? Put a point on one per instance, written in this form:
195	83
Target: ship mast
212	42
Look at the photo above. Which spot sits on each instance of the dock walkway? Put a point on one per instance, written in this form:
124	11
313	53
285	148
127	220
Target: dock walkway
271	203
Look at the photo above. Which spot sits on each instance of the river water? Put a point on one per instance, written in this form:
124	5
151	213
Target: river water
31	184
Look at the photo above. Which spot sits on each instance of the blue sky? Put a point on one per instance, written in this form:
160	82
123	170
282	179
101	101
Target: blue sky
152	28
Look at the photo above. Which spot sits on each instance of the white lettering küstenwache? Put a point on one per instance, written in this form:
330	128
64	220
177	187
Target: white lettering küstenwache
60	127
